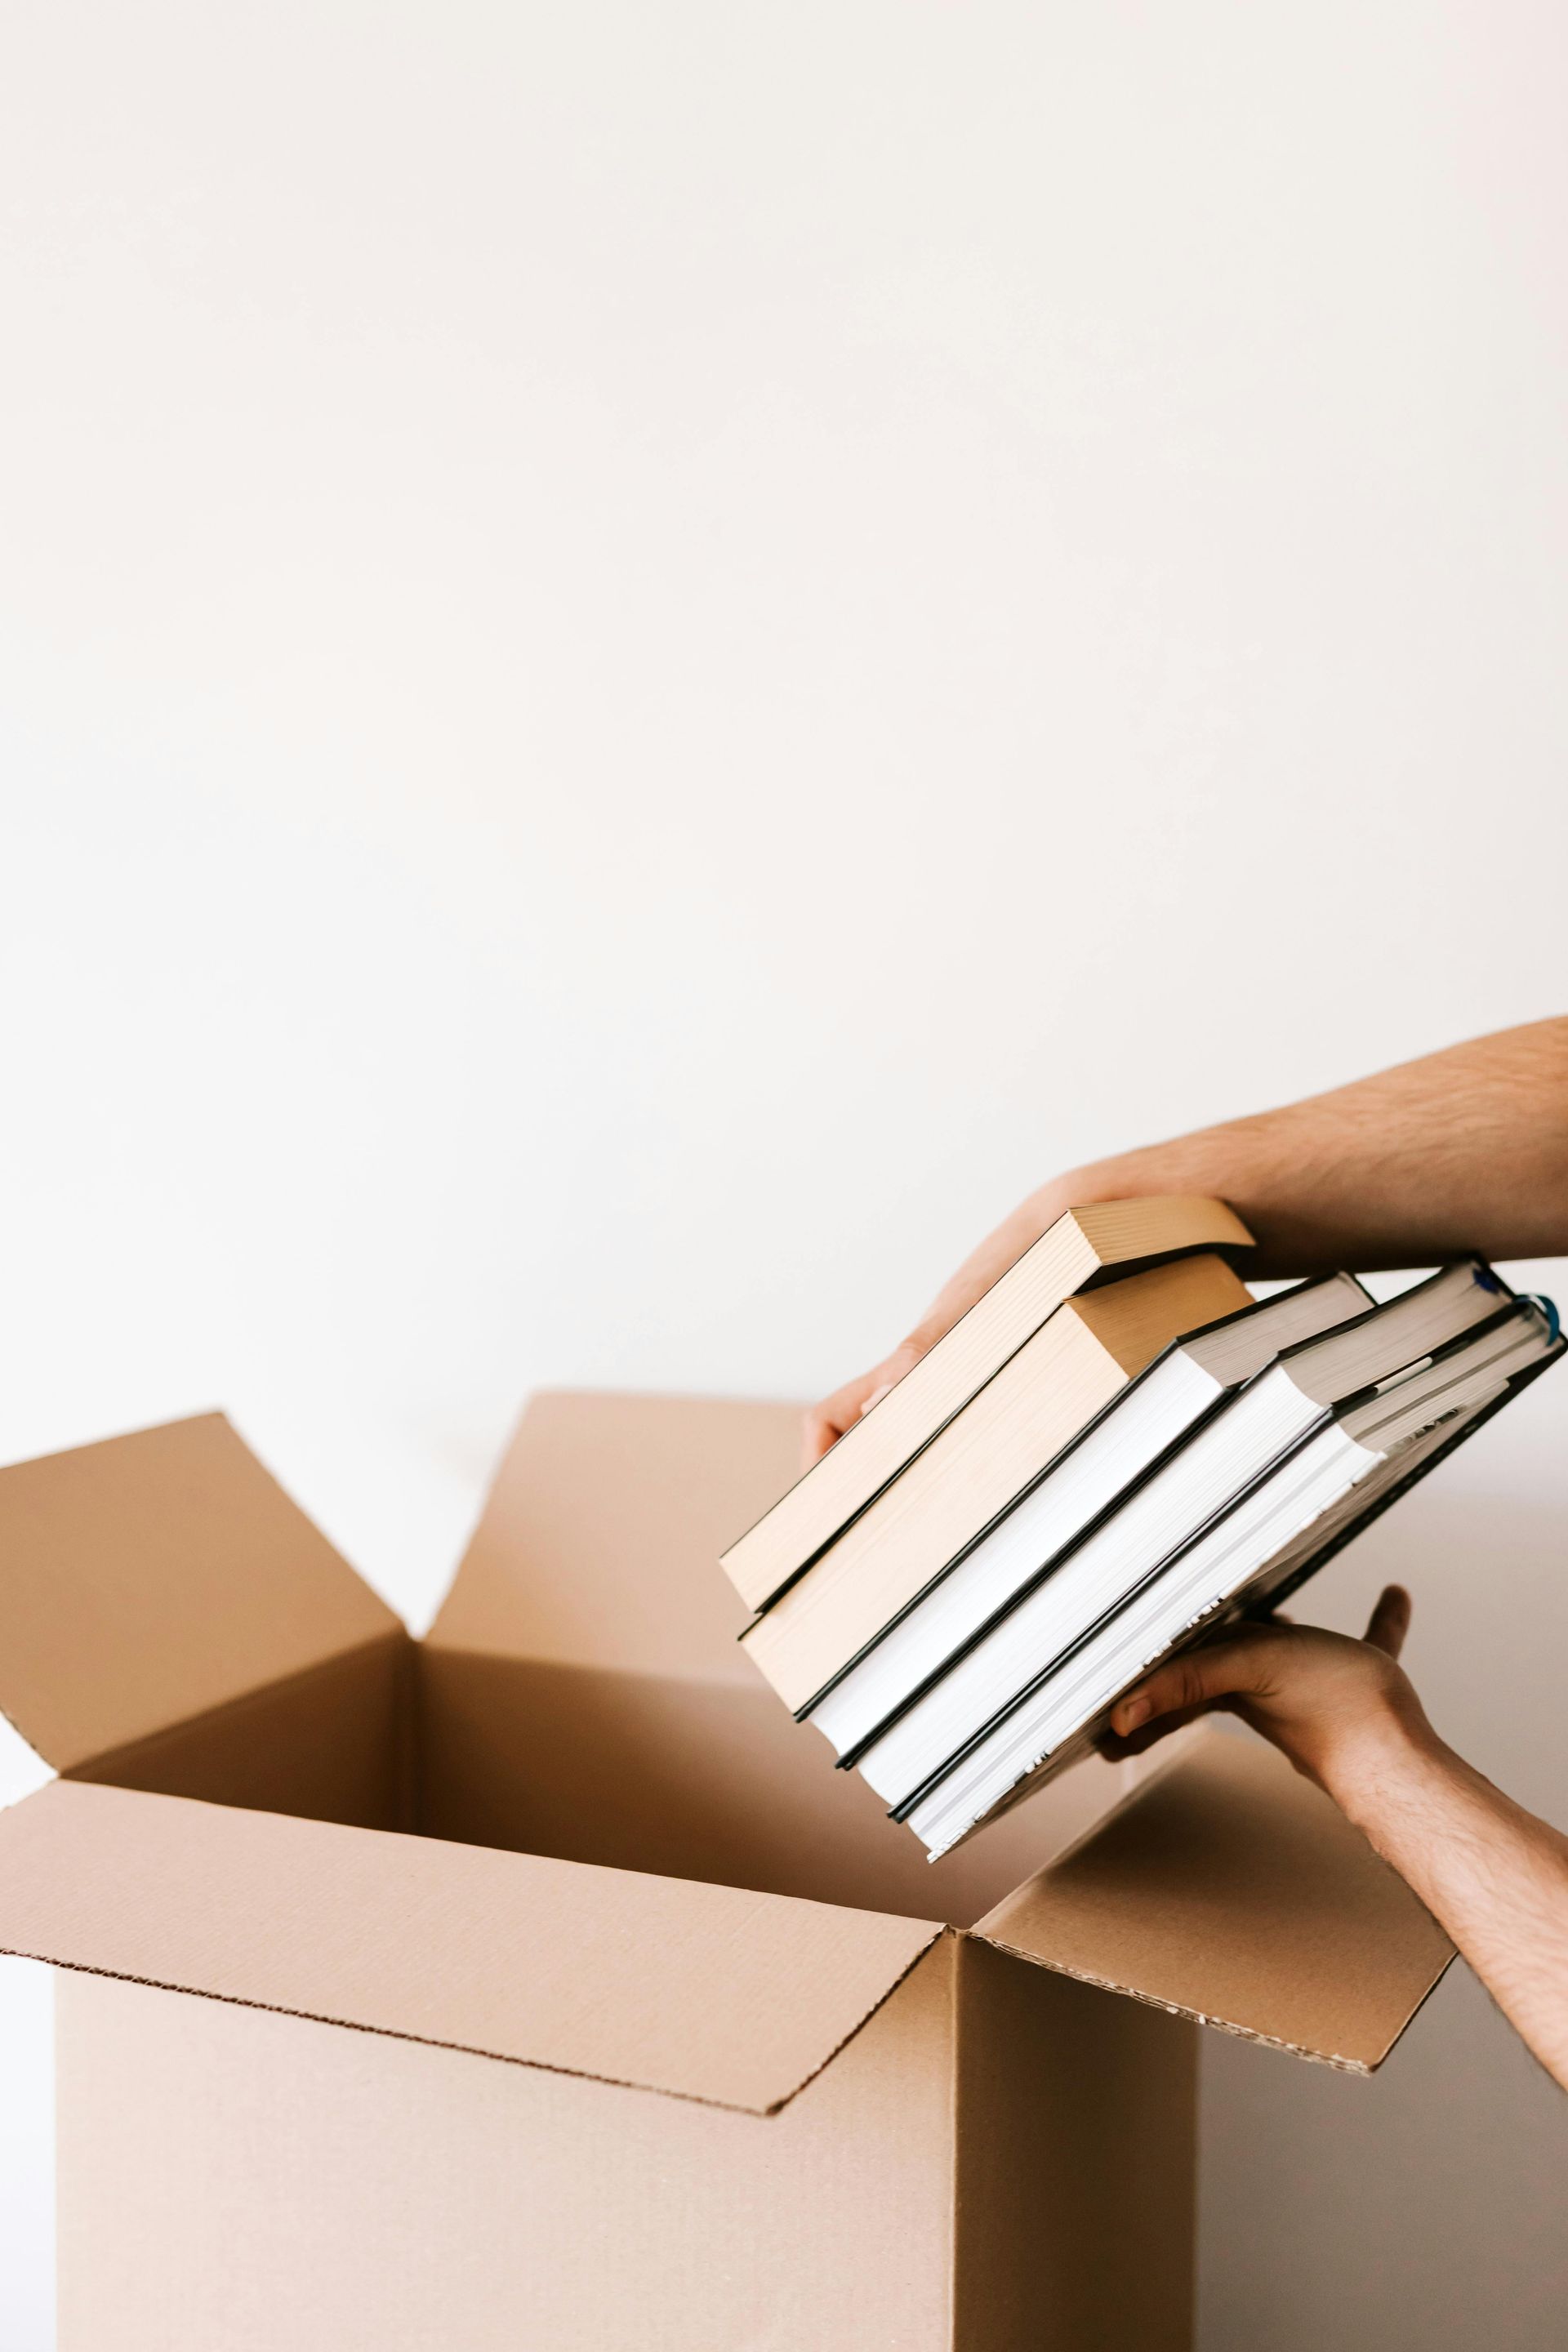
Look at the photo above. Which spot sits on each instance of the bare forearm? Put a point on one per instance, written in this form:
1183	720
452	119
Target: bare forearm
1494	1875
1464	1150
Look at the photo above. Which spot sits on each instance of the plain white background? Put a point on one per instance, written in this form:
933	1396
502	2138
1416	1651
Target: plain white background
654	655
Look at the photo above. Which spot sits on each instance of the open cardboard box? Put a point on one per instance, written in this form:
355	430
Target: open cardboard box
667	2035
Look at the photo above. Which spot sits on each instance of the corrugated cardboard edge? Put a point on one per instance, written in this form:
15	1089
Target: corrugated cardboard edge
498	2057
1253	1770
736	1999
1366	2068
940	1936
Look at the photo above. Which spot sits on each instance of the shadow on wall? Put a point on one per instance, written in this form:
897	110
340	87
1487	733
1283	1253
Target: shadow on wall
1426	2210
1489	1571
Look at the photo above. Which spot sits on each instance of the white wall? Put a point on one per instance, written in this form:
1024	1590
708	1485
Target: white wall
654	656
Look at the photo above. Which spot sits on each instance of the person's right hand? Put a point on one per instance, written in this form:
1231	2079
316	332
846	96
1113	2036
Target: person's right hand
1337	1708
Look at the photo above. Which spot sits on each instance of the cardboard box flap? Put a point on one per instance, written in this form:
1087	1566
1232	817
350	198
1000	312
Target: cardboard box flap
705	1992
151	1578
1232	1891
599	1543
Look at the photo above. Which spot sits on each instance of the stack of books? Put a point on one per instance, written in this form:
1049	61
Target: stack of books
1118	1450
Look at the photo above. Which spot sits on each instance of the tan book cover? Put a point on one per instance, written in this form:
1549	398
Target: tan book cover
1078	1360
1082	1246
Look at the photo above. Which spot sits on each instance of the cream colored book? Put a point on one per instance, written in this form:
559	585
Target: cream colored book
979	1464
1085	1244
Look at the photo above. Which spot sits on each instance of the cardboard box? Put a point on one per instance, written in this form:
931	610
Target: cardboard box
666	2036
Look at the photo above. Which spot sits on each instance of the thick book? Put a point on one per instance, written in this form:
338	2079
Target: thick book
1187	1383
1087	1245
1319	1488
976	1467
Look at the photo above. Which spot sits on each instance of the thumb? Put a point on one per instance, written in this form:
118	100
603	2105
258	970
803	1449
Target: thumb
1390	1620
1195	1681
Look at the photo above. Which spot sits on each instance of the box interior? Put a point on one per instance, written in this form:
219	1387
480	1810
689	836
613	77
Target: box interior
581	1694
698	1780
171	1624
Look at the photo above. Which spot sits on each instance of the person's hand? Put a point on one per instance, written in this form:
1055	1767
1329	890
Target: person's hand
827	1422
1335	1707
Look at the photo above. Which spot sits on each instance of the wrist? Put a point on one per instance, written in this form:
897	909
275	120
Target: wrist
1379	1764
1077	1188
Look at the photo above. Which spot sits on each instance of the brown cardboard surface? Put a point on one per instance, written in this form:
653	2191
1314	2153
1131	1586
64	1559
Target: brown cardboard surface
1001	2161
874	2130
1231	1890
231	2181
582	1693
156	1576
598	1543
698	1779
704	1991
638	1868
328	1744
1077	2162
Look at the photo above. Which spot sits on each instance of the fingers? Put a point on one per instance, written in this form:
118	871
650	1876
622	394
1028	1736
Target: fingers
1199	1680
1116	1749
1390	1620
825	1424
819	1430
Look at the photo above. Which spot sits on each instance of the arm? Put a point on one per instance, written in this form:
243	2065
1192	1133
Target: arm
1465	1150
1346	1716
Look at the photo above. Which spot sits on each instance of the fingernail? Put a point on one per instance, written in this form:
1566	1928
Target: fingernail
1136	1711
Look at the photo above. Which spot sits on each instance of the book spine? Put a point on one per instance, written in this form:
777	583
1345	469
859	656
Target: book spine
1334	1544
1381	1503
